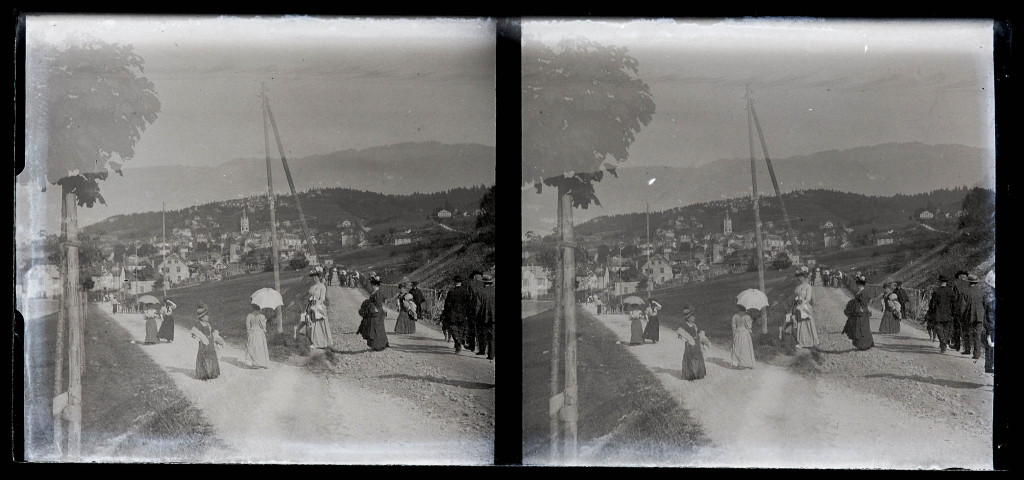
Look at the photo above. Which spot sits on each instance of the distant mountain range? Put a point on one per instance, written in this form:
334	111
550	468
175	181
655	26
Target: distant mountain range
400	169
881	170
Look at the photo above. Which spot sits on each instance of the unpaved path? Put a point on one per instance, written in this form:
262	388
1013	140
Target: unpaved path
290	414
899	405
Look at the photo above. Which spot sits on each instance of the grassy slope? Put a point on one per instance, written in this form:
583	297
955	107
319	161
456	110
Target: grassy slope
123	391
618	396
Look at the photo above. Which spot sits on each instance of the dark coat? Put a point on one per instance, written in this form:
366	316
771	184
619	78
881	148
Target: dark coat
942	304
977	306
372	328
485	306
460	307
858	323
962	289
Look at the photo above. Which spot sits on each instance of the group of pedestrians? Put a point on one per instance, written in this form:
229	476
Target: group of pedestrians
467	318
638	315
962	315
350	278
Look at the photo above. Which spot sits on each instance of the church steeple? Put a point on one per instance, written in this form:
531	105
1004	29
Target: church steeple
727	223
245	220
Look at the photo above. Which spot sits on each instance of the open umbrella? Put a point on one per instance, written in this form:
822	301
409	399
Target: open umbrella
633	300
267	298
148	299
752	298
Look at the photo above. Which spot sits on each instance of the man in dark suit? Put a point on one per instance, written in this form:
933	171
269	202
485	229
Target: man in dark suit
459	312
960	287
940	311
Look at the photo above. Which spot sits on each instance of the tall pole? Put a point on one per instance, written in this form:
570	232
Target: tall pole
556	355
273	217
74	412
771	171
757	214
59	387
570	408
647	249
288	175
163	248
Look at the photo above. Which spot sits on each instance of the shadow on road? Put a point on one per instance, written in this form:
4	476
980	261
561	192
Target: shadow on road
721	362
188	372
434	349
335	351
444	381
916	339
897	348
933	381
837	352
675	372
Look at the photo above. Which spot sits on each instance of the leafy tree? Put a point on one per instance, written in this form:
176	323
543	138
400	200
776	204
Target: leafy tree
602	253
580	104
298	263
630	251
979	208
782	261
87	283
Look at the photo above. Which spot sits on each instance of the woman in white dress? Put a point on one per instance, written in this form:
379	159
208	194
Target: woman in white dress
320	327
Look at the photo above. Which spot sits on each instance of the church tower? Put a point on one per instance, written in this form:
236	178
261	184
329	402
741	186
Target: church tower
245	220
727	223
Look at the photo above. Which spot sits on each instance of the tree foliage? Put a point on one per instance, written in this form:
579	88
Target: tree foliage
486	218
581	103
85	104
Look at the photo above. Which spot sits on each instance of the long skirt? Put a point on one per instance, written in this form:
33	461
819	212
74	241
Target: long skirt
405	324
320	334
256	353
889	324
166	328
742	349
207	366
806	333
693	363
636	332
653	330
375	334
151	331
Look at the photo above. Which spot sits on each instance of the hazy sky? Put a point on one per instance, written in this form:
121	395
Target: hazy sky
817	84
334	83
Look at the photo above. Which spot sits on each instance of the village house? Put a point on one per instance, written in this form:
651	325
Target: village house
444	214
926	215
625	288
884	239
534	281
108	280
174	269
43	281
658	270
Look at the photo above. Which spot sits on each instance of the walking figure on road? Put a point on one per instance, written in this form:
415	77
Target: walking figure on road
167	323
959	335
940	312
976	315
653	330
459	310
858	317
372	312
636	328
890	323
256	353
694	340
486	315
151	328
319	327
406	322
207	365
806	333
742	342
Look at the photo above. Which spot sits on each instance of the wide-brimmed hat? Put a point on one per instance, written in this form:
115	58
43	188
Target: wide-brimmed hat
488	278
943	278
687	310
475	273
457	279
202	309
960	272
973	278
861	280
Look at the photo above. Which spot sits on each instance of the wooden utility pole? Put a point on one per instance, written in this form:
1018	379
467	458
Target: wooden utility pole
60	354
567	244
163	248
73	301
273	217
288	175
647	249
757	213
771	171
557	396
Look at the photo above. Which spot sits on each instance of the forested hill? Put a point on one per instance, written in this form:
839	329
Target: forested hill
808	209
323	207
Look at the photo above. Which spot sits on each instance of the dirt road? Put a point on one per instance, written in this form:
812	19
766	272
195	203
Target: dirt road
899	405
347	411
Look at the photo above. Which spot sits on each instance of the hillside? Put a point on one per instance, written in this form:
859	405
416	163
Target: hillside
807	210
881	170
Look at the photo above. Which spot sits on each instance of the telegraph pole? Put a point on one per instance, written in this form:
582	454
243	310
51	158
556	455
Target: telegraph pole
570	408
757	212
163	248
273	218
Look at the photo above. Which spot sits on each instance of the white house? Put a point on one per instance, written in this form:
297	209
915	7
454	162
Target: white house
444	214
926	215
43	281
174	269
625	288
658	270
534	281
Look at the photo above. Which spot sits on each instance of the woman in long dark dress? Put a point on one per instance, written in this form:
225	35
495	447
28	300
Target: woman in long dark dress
372	312
406	312
858	318
693	342
207	365
890	312
166	331
653	330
